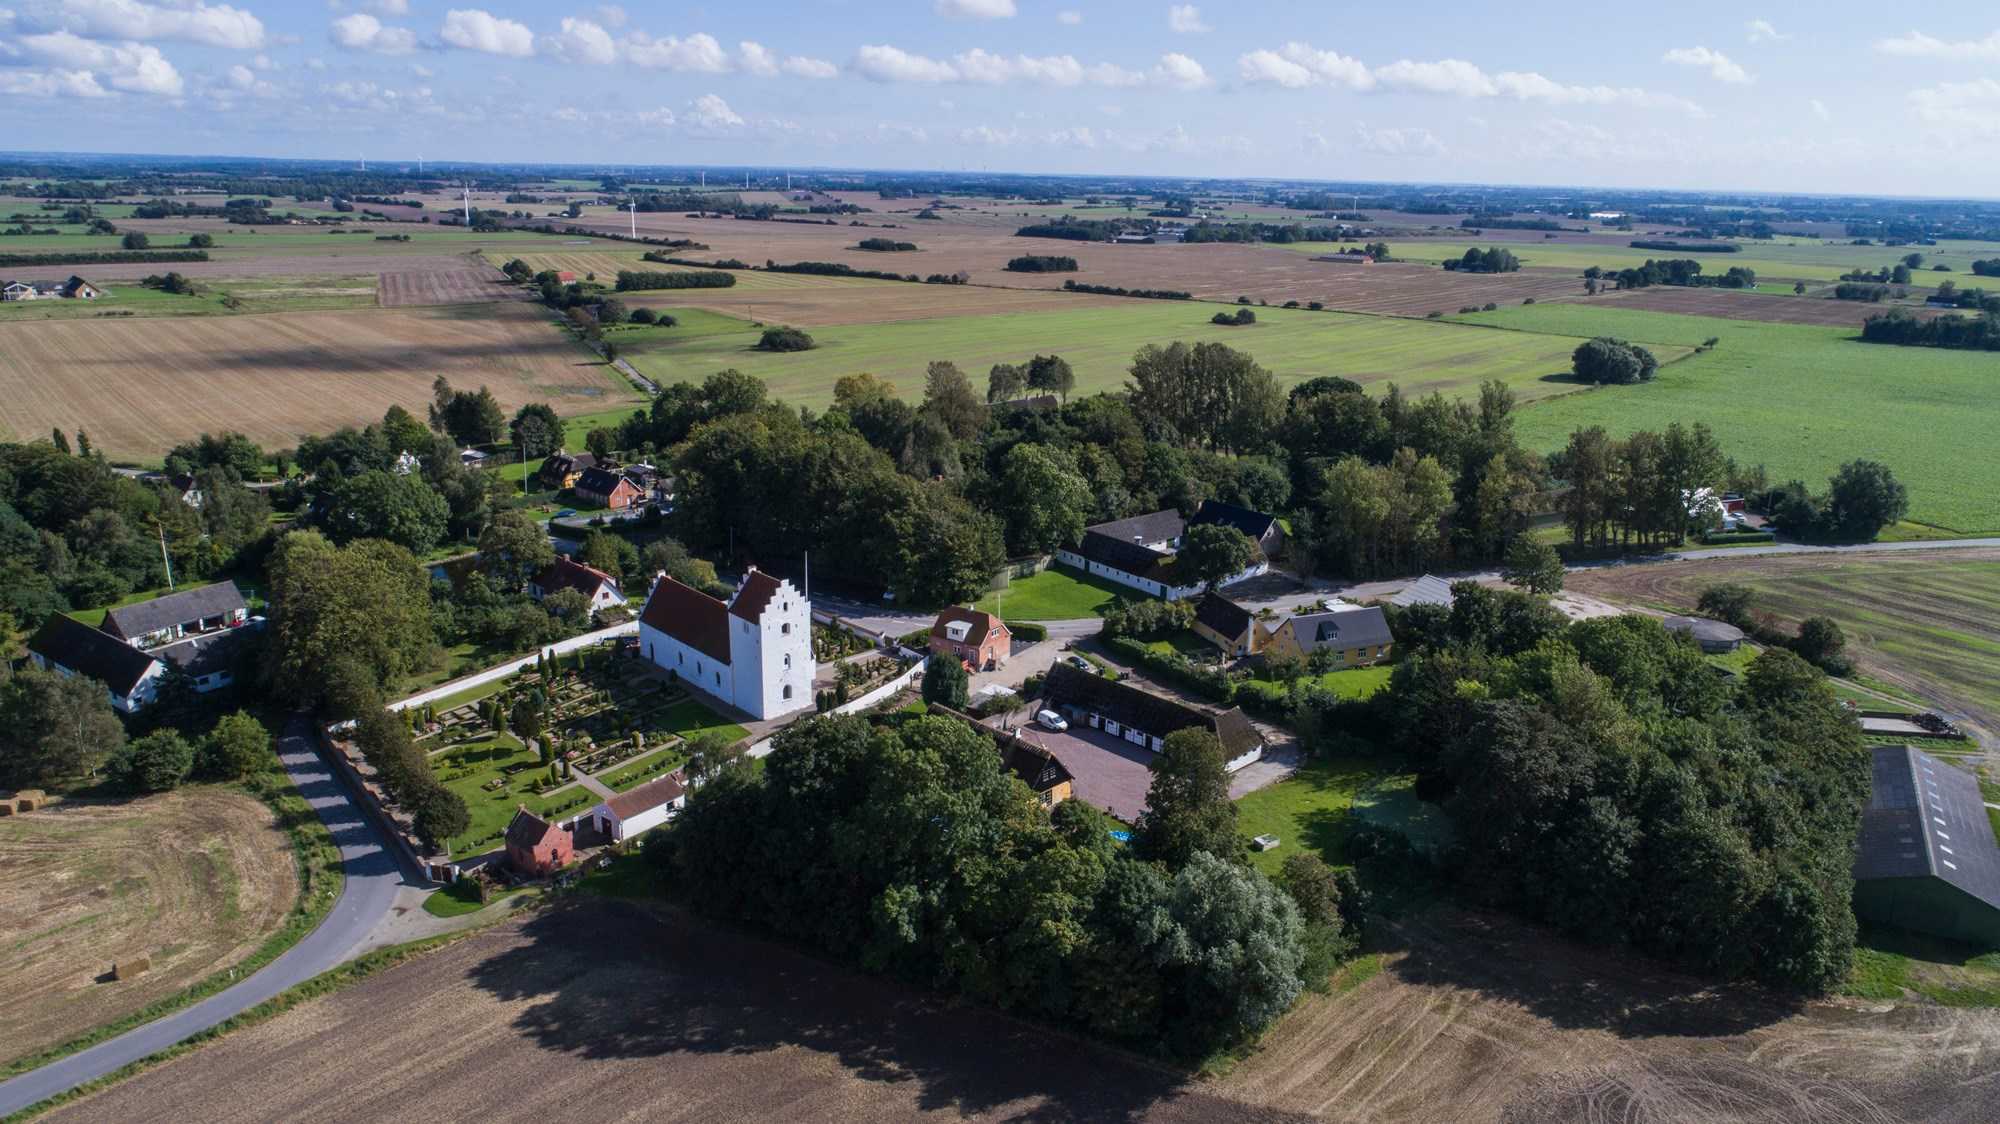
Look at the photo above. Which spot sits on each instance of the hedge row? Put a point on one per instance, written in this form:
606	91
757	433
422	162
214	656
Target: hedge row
112	257
629	281
1028	630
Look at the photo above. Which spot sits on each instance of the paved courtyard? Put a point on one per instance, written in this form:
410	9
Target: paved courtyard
1110	773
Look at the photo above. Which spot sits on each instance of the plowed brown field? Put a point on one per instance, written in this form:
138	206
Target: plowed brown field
194	879
605	1012
472	284
1775	307
140	386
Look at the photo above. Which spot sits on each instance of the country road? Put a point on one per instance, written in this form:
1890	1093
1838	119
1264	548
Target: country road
372	878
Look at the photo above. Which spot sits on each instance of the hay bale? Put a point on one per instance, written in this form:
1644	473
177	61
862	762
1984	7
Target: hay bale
30	799
6	805
126	969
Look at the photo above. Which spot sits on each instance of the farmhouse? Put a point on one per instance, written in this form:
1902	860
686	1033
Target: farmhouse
642	809
601	588
561	470
1226	625
1256	526
473	458
1139	553
76	288
1926	860
753	651
67	646
536	847
1143	718
163	620
1357	636
1713	636
1020	754
981	640
607	487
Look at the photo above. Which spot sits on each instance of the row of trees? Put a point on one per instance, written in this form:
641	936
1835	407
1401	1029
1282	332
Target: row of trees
1961	333
1493	259
1678	271
1862	498
56	729
1639	489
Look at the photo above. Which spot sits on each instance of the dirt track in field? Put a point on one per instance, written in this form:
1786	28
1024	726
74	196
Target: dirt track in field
194	879
138	386
1211	271
602	1009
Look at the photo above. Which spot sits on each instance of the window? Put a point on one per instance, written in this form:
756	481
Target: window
785	628
788	687
788	664
718	679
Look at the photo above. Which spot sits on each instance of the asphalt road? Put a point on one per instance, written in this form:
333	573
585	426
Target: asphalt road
373	875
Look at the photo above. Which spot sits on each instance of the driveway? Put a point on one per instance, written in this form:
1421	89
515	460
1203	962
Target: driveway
1110	773
373	877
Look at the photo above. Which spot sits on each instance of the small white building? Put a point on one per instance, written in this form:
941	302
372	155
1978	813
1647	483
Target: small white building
642	809
753	651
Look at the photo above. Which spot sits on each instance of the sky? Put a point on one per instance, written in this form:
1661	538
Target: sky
1835	97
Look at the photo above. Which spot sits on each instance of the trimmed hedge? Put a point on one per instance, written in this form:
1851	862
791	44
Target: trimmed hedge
1028	630
111	257
1725	537
629	281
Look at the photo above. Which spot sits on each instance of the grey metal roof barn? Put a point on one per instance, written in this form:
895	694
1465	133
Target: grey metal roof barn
1341	629
1926	859
1712	635
188	607
1426	590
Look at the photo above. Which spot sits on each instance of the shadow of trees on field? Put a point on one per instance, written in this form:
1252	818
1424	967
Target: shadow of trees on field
609	980
1572	986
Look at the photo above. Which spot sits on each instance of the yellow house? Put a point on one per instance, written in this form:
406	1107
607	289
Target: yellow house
1359	636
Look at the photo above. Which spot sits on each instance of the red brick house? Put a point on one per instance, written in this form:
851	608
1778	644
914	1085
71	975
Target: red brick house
980	639
606	488
536	847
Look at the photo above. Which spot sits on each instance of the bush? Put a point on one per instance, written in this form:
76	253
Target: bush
1042	263
785	339
1029	631
155	763
630	280
887	245
200	241
643	316
135	241
1607	360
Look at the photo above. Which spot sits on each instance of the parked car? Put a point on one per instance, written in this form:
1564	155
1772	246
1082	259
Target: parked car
1081	664
565	513
1264	842
1050	720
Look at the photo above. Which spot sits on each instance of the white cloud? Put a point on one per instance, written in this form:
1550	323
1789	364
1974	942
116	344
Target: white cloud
1446	76
799	66
1069	17
1298	65
1079	136
363	32
1819	110
51	84
475	29
1397	142
217	25
1918	45
134	67
698	52
976	9
579	41
710	112
1972	105
1179	71
389	7
1719	66
1761	31
1185	19
757	59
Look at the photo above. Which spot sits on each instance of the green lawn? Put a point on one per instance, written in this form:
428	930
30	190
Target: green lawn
1892	965
1099	342
465	769
1799	399
1353	683
690	719
1310	810
639	770
1056	594
1187	642
453	902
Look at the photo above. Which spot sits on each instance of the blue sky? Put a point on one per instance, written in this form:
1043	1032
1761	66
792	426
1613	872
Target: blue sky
1826	97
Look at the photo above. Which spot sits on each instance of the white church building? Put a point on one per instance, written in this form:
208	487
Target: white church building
753	651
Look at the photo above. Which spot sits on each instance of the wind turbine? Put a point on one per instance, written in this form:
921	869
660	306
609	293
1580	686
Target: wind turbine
467	188
634	205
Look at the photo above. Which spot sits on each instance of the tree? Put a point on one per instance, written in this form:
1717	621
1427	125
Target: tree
945	681
601	442
405	510
1045	500
55	727
1534	566
1864	498
1211	552
1822	642
237	747
1232	952
1051	374
200	241
134	240
1005	382
536	430
367	604
1607	360
949	397
610	553
514	548
1799	288
155	763
439	812
1727	602
1187	806
525	720
1207	395
785	339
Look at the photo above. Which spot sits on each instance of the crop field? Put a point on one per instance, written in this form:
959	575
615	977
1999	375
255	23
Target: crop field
1786	260
228	297
1798	399
471	285
194	879
139	386
1927	622
1099	343
1779	307
536	1016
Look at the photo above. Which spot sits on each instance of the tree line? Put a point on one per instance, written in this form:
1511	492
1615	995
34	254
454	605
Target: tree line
1961	333
1493	259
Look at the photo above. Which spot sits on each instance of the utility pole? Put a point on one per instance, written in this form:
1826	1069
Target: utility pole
164	560
809	580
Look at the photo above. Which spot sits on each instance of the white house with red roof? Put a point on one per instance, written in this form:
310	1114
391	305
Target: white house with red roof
567	573
753	651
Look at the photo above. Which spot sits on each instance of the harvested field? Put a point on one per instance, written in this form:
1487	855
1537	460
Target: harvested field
140	386
1214	271
601	1005
1738	305
194	879
671	1019
1477	1018
1928	622
472	284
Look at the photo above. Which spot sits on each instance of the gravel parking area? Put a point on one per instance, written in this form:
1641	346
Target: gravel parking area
1110	773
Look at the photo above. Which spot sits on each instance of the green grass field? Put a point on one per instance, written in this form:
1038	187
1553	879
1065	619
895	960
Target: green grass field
1353	683
1056	594
1308	811
1799	399
690	719
1099	343
1894	965
1779	259
221	298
